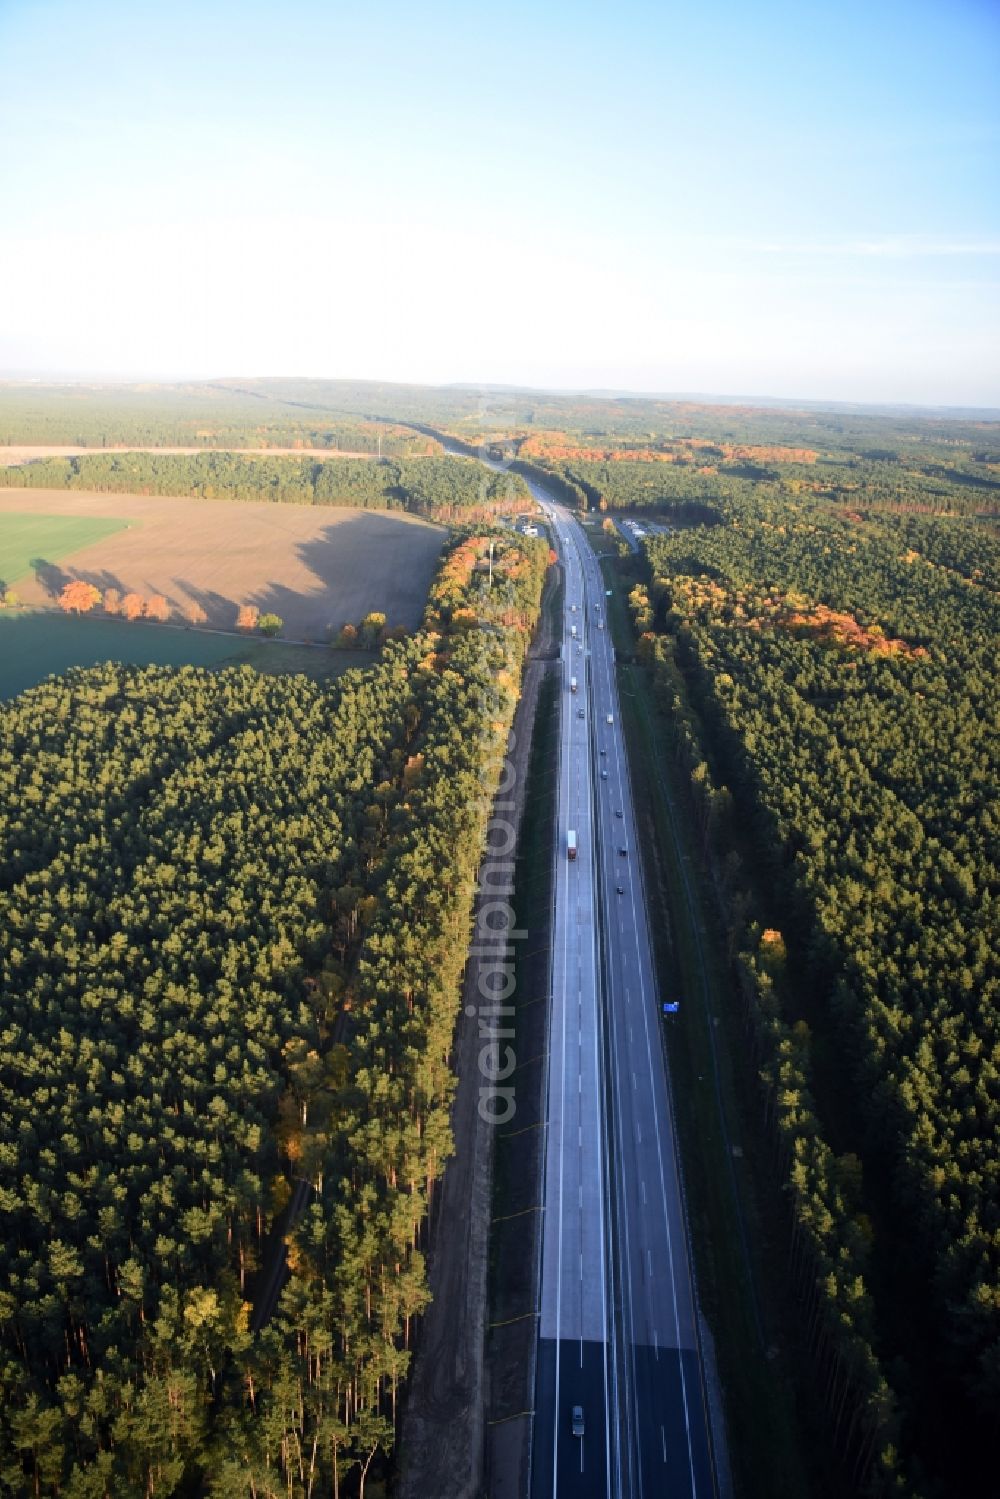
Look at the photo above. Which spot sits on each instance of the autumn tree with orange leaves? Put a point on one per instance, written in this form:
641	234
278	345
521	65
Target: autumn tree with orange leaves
158	608
78	597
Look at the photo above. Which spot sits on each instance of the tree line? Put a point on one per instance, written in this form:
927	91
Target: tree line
234	914
441	489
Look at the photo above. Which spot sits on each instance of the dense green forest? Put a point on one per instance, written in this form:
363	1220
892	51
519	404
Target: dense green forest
600	451
441	489
349	414
964	486
189	416
234	914
473	412
846	741
821	631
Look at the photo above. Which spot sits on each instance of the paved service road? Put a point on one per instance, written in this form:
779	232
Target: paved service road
617	1326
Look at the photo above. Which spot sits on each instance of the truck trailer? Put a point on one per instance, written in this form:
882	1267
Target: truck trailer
572	684
571	844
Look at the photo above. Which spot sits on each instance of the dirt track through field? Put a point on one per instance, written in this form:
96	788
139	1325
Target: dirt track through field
316	566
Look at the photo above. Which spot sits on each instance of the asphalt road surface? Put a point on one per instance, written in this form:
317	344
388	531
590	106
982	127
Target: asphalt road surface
617	1325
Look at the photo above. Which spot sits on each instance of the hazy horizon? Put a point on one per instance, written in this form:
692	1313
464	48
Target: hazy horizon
597	393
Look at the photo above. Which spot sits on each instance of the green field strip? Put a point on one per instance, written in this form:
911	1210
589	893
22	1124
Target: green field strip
38	644
27	540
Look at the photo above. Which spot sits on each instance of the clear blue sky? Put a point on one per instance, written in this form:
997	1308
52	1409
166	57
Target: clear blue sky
784	199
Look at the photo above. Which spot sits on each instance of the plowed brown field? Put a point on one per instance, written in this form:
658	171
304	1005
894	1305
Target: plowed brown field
315	566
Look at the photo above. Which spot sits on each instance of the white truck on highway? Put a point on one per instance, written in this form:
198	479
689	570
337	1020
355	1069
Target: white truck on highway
571	844
611	718
572	684
572	631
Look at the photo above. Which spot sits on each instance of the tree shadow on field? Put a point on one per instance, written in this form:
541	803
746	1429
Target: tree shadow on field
105	581
48	576
362	562
102	580
369	561
219	611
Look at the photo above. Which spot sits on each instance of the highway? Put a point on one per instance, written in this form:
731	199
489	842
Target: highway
617	1323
